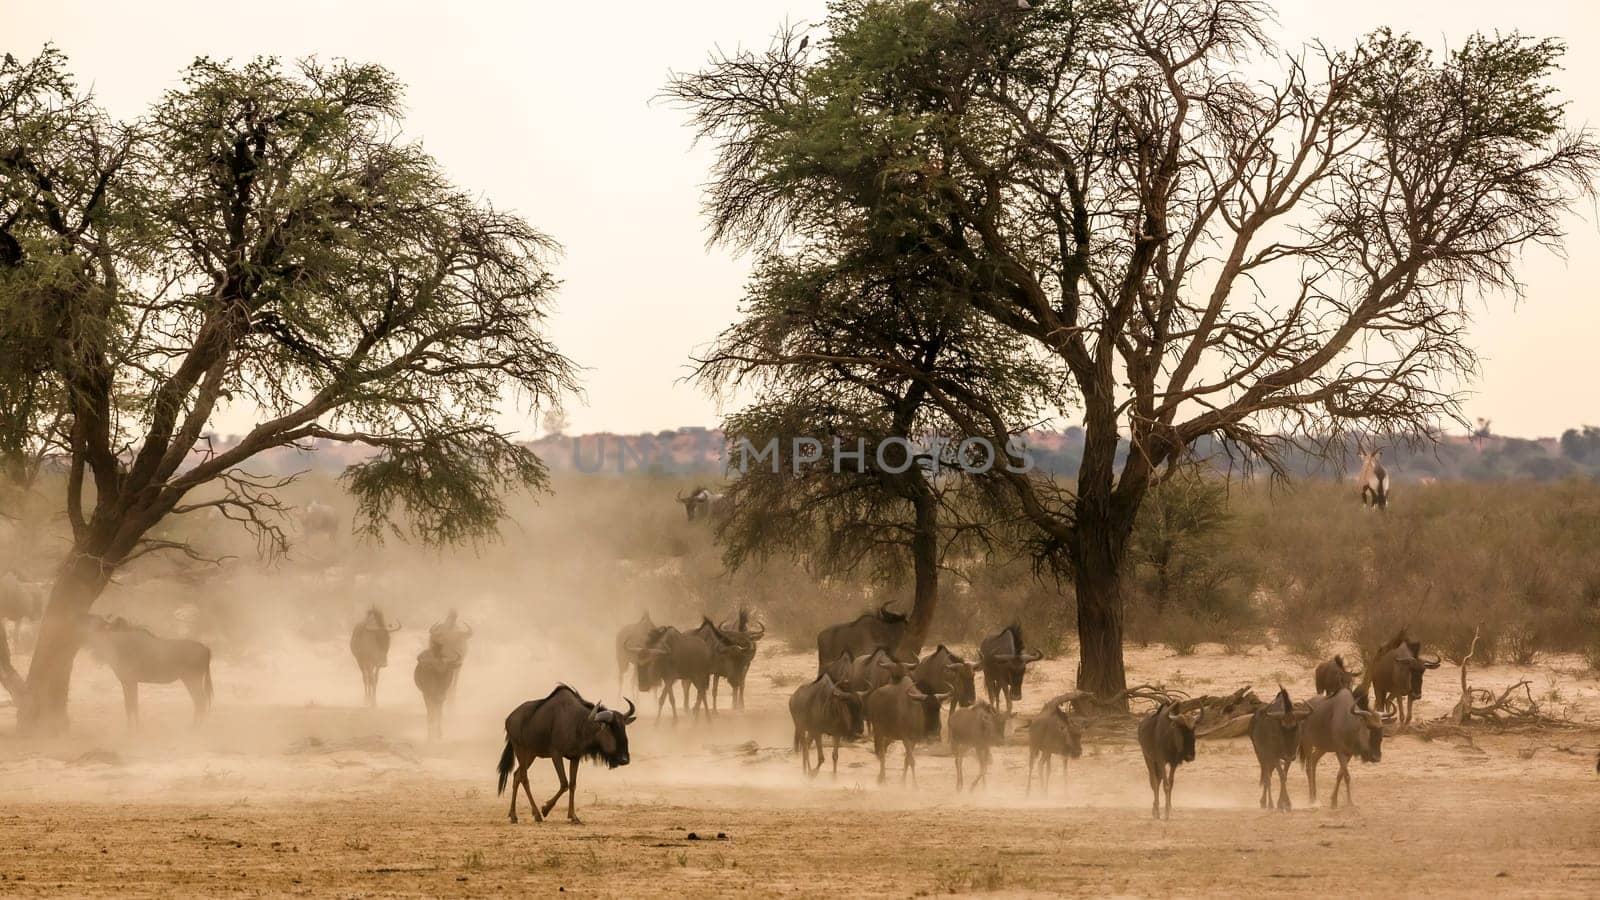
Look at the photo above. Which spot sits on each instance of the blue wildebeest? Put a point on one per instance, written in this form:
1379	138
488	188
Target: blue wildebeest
1166	738
139	657
1332	676
1053	733
943	672
636	634
821	708
978	728
1344	726
734	649
1004	660
369	644
562	726
1275	736
703	505
433	675
449	638
1396	675
671	656
880	630
1374	481
900	712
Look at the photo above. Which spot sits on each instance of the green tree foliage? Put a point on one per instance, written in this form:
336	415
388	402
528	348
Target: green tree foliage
263	237
1200	255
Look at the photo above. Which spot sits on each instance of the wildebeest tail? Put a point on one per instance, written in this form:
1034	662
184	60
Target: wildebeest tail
505	767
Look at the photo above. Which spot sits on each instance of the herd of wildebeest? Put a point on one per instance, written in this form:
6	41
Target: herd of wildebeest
869	682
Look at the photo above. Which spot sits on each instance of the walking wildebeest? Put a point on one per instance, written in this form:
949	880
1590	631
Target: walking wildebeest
1344	726
1396	674
450	639
900	712
1053	733
732	664
978	727
635	634
1332	676
671	656
562	726
320	519
20	602
139	657
880	630
943	672
369	644
435	671
1166	737
1275	735
703	505
1374	481
1004	661
821	708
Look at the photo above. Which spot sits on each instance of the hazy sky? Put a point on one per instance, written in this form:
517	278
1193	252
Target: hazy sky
546	108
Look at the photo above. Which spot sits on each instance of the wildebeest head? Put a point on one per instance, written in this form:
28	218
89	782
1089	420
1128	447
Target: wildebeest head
374	620
943	670
1409	666
931	704
1183	725
651	655
1006	659
1287	716
607	731
1369	738
848	707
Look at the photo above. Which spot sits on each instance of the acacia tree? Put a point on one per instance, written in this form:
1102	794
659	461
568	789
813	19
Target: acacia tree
864	469
267	239
1203	255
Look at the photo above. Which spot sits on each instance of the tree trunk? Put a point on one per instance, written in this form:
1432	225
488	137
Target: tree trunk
925	564
42	710
1098	580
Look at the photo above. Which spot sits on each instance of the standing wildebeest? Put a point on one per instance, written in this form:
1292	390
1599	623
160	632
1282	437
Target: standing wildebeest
1341	725
1167	739
449	638
733	663
369	643
1374	481
20	601
823	709
1396	675
320	520
1004	661
137	656
436	669
880	630
1275	735
1053	733
900	712
1332	677
635	635
703	505
943	672
562	726
978	728
671	656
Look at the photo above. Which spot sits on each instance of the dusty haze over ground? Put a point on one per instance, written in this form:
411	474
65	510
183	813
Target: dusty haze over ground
292	787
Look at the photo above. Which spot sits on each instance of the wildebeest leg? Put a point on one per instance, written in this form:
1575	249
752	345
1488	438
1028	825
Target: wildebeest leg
1283	786
983	767
1044	777
562	775
572	793
715	684
1031	755
1154	771
880	748
819	751
1311	776
835	757
958	754
1266	786
1344	776
910	765
1172	771
197	694
130	703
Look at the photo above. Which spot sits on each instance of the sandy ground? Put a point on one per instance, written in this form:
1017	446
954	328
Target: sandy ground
291	789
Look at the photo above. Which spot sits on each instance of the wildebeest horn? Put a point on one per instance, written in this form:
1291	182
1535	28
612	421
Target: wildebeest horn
887	664
1029	656
1004	657
758	634
956	666
466	627
628	716
395	626
915	694
1437	661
